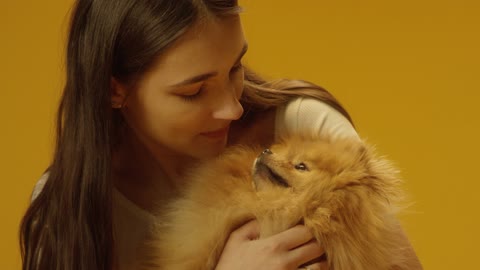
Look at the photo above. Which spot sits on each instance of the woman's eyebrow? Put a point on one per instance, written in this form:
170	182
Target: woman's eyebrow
203	77
195	79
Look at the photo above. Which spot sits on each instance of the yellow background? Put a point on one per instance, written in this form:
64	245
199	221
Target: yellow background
408	72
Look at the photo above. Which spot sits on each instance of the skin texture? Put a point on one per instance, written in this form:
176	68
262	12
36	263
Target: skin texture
173	120
168	125
168	131
243	243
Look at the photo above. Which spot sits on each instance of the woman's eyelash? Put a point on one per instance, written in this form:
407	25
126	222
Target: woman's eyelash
191	97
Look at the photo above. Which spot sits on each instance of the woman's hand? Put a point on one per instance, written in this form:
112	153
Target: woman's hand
287	250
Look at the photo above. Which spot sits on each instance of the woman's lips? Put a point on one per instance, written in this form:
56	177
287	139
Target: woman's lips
216	134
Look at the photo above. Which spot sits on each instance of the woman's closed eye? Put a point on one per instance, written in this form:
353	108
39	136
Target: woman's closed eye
192	96
196	94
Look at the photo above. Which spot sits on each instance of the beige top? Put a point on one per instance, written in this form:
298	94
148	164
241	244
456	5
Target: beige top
132	223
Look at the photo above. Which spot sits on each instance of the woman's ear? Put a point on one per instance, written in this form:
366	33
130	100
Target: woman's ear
118	93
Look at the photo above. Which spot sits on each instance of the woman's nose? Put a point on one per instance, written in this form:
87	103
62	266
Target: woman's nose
229	107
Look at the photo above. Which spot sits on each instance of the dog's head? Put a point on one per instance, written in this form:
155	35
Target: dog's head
302	163
302	175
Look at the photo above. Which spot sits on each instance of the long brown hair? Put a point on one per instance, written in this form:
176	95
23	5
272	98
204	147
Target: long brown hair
260	95
69	225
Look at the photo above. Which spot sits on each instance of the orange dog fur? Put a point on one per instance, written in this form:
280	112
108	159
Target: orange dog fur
340	189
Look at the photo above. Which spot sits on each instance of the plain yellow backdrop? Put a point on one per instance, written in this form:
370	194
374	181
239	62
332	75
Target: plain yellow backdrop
408	72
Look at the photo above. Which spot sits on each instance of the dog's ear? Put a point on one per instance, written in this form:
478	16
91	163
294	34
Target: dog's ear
382	176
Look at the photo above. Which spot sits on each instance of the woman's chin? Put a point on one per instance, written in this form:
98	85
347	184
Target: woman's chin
212	150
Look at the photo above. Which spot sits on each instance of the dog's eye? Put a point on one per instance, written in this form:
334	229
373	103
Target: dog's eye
301	167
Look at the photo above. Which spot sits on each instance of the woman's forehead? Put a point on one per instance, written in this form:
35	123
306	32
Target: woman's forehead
205	47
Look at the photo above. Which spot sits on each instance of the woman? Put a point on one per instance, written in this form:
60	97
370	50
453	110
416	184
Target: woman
152	87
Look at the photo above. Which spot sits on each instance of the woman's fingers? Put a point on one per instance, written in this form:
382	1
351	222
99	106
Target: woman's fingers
248	231
286	250
306	253
316	266
323	265
293	237
298	242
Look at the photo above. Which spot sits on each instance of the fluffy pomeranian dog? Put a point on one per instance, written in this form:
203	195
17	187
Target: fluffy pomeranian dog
340	189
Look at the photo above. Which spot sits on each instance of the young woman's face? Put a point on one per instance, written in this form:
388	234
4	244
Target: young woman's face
185	104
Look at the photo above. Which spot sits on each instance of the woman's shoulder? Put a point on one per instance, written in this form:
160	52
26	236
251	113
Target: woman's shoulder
313	116
119	200
121	204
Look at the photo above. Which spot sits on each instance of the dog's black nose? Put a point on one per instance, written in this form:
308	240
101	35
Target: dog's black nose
267	151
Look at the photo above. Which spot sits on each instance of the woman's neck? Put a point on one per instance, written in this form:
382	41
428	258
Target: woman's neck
144	178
